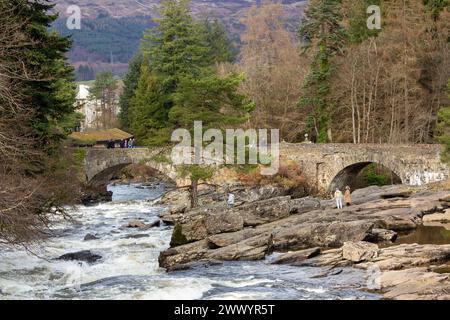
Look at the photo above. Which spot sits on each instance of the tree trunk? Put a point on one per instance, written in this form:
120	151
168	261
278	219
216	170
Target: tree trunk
194	193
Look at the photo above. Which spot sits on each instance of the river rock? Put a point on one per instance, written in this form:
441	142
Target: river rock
135	224
90	237
295	257
136	236
382	235
438	217
86	256
415	284
138	224
359	251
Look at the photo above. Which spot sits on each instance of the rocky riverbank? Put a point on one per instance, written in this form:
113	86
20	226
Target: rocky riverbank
357	236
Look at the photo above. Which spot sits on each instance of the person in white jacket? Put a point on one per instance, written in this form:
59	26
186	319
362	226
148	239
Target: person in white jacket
230	200
338	196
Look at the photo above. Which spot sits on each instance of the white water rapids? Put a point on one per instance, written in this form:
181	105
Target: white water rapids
129	267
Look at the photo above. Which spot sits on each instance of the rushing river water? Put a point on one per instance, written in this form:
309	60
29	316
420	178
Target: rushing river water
129	266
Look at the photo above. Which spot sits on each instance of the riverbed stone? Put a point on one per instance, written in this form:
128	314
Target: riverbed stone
90	237
438	217
382	235
135	224
293	258
85	255
359	251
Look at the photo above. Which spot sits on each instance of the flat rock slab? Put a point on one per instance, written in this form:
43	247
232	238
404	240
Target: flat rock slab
296	257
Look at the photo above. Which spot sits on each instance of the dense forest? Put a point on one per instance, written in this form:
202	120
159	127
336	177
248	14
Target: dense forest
102	41
337	81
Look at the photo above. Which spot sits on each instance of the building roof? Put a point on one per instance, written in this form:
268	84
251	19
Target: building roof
101	135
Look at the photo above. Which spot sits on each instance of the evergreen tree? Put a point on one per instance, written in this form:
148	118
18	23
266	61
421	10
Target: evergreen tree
211	99
321	29
146	113
175	46
50	88
130	83
180	85
220	47
357	30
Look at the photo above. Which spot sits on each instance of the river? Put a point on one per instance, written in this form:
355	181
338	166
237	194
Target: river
129	266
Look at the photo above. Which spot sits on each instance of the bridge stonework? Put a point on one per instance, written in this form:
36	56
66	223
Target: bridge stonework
102	164
325	165
334	165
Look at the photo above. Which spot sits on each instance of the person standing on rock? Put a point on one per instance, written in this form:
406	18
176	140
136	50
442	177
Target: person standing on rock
230	200
348	196
338	196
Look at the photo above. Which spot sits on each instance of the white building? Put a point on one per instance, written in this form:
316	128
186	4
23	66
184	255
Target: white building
88	107
91	109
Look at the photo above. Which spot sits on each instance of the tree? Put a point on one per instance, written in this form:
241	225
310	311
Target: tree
391	84
130	83
175	46
181	84
273	71
53	93
196	174
444	129
323	31
105	91
220	47
36	98
146	113
211	99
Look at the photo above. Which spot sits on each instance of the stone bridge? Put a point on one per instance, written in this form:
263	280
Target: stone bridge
325	165
101	164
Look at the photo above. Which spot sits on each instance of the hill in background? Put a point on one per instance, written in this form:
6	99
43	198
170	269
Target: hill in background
111	30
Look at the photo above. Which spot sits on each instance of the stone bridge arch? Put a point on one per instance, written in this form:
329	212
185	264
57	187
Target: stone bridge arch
102	164
329	165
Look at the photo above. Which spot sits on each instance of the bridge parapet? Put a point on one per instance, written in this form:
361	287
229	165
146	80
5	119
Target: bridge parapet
325	165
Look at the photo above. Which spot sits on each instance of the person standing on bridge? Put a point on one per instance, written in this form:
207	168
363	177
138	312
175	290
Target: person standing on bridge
338	196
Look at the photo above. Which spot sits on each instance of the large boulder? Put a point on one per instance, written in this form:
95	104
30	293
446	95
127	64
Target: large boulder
309	235
359	251
85	255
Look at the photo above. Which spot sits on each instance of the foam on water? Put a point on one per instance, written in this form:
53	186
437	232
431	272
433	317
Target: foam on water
129	267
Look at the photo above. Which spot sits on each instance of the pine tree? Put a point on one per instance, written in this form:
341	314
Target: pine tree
322	29
220	47
175	46
357	30
53	91
147	115
130	83
180	85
